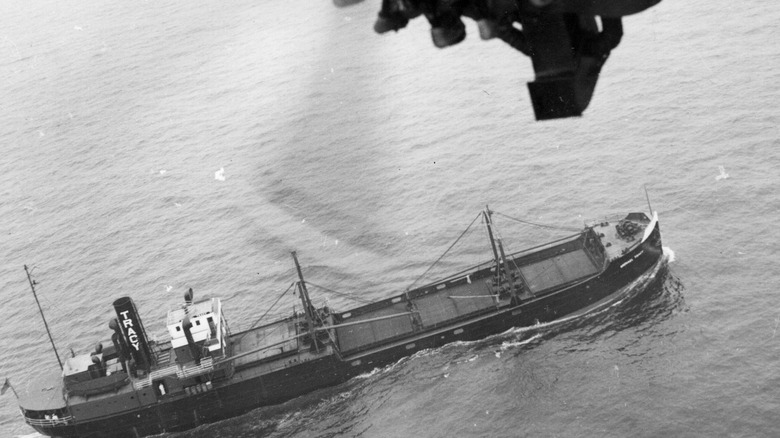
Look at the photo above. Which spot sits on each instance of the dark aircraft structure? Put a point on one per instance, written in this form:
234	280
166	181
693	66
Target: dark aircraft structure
568	41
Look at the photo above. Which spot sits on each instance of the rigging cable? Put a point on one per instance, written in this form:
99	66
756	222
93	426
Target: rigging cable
341	294
552	227
513	261
267	311
445	252
498	234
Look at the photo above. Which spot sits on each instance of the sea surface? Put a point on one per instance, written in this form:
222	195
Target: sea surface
150	146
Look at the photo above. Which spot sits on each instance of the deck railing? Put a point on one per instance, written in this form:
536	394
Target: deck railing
48	422
206	365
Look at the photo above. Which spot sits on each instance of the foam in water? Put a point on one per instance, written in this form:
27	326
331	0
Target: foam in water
722	175
669	253
391	366
506	345
373	372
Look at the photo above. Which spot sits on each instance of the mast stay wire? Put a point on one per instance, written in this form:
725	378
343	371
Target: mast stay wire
552	227
445	252
269	310
363	300
501	238
514	263
341	294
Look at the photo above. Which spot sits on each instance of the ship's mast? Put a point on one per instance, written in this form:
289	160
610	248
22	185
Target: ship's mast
489	225
501	263
308	308
32	286
648	201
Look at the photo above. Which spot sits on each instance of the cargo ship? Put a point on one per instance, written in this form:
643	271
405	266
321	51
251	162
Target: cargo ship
134	386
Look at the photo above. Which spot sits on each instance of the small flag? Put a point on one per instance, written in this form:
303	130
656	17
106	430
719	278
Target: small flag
6	385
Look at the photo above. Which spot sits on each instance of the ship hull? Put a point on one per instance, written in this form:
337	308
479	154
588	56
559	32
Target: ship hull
249	391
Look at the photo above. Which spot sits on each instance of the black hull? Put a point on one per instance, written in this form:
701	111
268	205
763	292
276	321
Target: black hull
272	388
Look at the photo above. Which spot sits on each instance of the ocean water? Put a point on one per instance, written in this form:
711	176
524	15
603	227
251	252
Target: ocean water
148	147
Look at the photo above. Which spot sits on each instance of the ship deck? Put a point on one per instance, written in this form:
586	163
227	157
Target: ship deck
265	342
536	272
614	244
444	303
464	296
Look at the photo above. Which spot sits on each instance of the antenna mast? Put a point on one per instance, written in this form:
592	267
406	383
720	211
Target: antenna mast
32	286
